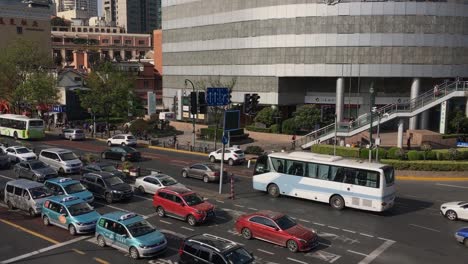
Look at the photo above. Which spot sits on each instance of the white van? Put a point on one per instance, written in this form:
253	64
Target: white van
26	195
62	160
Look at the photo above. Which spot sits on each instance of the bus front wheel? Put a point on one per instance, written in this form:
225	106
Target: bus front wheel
273	190
15	135
337	202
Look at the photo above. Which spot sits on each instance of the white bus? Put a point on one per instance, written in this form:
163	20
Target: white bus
21	127
329	179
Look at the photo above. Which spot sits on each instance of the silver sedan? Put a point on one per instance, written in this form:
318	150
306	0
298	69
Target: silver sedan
152	183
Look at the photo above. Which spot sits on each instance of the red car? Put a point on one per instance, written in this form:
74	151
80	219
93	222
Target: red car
183	204
276	228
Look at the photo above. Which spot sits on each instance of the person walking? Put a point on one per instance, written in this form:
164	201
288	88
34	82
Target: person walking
294	141
408	141
436	90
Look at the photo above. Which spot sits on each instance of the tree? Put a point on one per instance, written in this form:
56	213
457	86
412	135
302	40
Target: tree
38	89
109	92
306	117
458	123
267	116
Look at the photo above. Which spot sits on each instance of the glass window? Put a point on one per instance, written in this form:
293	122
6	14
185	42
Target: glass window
261	166
18	191
177	199
368	178
40	192
203	254
279	165
9	188
323	171
285	222
336	174
112	181
54	207
217	259
74	188
350	175
140	228
312	170
193	199
389	173
190	249
240	255
68	156
120	229
295	168
80	209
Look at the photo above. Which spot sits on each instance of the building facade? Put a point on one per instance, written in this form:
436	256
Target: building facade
327	53
90	7
136	16
79	46
20	21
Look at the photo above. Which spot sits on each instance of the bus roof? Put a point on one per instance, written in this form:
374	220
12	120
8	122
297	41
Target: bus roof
20	117
327	159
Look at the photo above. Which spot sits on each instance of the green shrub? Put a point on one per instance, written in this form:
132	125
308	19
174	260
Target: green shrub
364	153
256	150
431	155
340	151
89	158
382	153
454	154
274	129
426	165
259	129
391	153
139	126
289	126
400	154
266	116
414	155
454	136
440	155
209	133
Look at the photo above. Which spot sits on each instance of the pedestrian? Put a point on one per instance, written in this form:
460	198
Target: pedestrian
436	90
91	129
175	139
408	141
294	141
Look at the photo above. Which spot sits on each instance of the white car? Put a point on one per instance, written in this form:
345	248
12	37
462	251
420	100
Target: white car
152	183
455	210
19	153
122	139
231	155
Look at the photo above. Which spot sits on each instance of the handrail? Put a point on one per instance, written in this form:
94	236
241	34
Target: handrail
408	107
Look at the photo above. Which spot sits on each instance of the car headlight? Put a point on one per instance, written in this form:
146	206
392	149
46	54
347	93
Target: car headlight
79	223
302	241
116	191
142	246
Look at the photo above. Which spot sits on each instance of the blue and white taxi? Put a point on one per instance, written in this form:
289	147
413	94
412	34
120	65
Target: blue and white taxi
462	236
68	186
130	233
71	213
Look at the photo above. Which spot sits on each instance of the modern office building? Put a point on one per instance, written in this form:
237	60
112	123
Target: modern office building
25	21
136	16
88	6
326	53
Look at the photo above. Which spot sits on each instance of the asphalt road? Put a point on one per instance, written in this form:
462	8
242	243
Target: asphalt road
412	232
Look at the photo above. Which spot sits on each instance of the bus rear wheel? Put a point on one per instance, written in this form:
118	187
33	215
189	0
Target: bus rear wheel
273	190
337	202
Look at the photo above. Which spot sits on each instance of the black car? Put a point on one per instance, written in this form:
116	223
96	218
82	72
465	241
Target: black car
102	166
107	186
211	249
122	153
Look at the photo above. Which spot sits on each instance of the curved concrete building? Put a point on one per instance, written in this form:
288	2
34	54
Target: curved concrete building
327	53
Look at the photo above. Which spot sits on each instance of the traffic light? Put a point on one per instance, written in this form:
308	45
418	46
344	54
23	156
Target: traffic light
247	104
202	102
255	101
193	103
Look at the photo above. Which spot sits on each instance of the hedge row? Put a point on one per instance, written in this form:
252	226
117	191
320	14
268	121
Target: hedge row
454	136
209	133
427	165
348	152
259	129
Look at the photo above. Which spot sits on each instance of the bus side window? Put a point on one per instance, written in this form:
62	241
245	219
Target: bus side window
312	170
323	172
337	174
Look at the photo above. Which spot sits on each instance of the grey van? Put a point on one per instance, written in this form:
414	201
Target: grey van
73	134
26	195
62	160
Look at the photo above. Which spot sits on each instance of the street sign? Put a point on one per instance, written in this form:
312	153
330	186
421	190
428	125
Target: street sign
231	120
225	140
217	96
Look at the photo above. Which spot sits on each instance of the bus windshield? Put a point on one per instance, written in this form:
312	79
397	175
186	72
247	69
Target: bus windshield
36	123
261	166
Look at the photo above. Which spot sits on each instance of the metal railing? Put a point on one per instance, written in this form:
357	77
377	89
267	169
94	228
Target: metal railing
389	111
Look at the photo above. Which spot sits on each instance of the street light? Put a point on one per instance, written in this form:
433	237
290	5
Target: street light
371	105
193	115
336	128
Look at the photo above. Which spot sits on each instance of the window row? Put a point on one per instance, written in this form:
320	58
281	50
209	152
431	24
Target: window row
16	124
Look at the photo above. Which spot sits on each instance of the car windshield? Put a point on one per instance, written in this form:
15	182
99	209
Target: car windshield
22	150
113	181
239	152
74	188
108	168
68	156
167	181
213	167
79	131
193	199
40	192
38	165
130	137
238	256
80	209
140	228
285	222
461	203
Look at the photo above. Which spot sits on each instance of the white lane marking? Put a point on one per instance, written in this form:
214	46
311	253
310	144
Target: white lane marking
179	235
367	235
349	231
319	224
323	255
219	201
253	209
187	228
150	215
264	251
325	244
303	220
449	185
113	207
6	177
385	239
374	254
27	255
333	227
166	222
238	205
427	228
180	161
358	253
298	261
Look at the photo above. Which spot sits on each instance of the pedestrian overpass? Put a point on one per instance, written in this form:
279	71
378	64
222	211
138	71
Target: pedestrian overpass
386	113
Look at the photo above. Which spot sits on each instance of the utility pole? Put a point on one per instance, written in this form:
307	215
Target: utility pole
371	104
193	112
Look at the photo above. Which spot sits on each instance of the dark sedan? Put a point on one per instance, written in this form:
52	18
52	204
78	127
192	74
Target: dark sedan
102	166
35	170
122	153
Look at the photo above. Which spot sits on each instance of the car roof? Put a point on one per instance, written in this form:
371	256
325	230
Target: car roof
102	174
57	150
62	181
17	147
119	216
268	213
66	199
217	243
122	135
32	161
25	183
177	189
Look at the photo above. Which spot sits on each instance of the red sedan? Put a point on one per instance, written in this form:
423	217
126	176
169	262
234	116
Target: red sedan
276	228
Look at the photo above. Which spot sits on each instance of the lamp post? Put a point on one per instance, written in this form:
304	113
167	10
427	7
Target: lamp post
336	128
193	116
371	105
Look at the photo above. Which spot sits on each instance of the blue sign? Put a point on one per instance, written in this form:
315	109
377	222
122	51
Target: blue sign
225	140
217	96
58	108
462	144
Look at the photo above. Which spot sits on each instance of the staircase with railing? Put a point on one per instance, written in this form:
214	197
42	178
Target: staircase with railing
415	106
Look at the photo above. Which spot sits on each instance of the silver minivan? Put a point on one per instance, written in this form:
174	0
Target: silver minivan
62	160
26	195
73	134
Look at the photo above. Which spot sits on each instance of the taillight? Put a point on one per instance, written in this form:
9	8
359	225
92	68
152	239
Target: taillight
216	173
181	249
